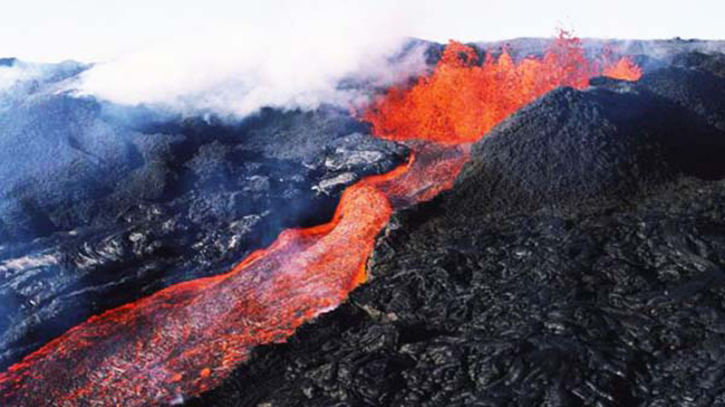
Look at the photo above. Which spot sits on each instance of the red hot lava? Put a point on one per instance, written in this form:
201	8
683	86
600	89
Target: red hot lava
461	100
187	338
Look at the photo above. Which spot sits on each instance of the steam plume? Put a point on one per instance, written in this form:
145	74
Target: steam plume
296	62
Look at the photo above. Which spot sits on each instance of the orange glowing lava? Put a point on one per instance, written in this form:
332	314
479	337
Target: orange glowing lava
623	69
186	339
463	100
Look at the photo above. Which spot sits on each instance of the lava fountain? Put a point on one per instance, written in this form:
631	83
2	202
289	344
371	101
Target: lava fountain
462	101
186	338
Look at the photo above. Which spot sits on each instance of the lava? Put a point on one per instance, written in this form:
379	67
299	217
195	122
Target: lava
624	69
462	100
186	338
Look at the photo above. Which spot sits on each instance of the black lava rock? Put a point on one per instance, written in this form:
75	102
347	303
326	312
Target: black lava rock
615	307
704	61
698	91
575	148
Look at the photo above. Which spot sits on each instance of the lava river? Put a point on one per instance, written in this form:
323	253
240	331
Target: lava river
186	338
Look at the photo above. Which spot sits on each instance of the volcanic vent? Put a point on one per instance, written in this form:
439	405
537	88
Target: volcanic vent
575	145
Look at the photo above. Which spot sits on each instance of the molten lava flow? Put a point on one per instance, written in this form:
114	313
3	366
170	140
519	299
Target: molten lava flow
187	338
463	100
623	69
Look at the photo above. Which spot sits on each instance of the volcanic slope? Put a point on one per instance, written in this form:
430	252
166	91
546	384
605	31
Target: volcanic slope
579	260
101	205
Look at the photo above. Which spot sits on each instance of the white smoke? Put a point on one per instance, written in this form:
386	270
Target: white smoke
294	61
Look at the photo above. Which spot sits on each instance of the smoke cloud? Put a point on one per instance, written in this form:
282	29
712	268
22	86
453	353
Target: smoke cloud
297	60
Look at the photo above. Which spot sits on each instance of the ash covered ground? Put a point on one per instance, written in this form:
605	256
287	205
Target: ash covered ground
578	260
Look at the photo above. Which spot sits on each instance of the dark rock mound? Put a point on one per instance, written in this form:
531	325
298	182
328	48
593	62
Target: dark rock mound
572	147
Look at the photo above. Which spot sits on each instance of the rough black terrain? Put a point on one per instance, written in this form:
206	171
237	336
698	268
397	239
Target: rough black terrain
574	148
709	62
102	204
579	260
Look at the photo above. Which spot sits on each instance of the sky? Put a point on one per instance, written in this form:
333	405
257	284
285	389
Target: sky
104	30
